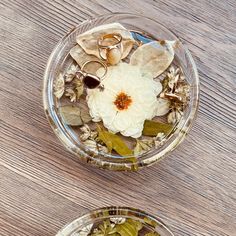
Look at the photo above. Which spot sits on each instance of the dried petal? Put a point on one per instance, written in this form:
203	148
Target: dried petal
88	40
59	86
163	106
154	57
80	56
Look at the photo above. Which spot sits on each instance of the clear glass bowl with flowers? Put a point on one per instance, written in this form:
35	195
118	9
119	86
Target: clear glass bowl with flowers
120	91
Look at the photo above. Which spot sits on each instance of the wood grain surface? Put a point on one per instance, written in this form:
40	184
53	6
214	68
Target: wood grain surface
42	186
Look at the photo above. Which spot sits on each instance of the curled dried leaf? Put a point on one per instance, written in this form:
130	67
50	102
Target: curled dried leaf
59	86
154	57
88	40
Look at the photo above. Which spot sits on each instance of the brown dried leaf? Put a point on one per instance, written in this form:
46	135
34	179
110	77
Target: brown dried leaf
154	57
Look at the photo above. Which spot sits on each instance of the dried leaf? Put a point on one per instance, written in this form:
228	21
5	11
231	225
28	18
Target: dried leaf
114	142
85	116
71	115
163	106
154	57
59	86
143	146
88	40
129	228
152	128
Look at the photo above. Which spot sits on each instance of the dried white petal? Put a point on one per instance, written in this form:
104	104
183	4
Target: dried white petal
154	57
163	106
88	40
80	56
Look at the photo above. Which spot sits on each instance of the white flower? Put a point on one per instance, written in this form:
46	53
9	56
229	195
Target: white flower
129	98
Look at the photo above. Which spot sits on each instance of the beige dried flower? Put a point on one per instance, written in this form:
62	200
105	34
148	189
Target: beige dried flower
70	73
59	86
71	94
175	89
174	116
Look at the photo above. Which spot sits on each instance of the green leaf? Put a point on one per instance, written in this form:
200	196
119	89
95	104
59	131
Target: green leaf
129	228
152	128
114	142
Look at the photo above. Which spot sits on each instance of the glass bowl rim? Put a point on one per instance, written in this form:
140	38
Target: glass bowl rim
133	212
54	122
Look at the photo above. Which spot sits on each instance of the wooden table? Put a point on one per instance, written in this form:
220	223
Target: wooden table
42	186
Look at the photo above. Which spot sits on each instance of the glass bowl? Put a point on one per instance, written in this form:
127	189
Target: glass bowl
69	138
82	225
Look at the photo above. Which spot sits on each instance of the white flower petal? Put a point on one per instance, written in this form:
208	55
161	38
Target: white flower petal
141	90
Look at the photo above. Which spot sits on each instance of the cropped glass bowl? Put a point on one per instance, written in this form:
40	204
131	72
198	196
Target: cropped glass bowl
66	134
150	223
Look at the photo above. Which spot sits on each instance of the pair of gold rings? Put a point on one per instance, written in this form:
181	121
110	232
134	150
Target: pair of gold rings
110	49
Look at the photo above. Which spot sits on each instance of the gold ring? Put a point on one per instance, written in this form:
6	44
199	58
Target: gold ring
111	52
91	81
101	40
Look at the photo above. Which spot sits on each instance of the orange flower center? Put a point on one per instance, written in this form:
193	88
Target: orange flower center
122	101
